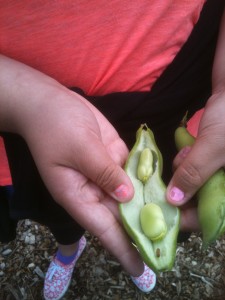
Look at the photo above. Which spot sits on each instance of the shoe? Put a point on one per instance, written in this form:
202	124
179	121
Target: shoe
58	276
146	282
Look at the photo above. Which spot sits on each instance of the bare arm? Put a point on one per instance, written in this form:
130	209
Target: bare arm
78	153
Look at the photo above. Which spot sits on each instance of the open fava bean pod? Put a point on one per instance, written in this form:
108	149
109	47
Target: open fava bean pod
151	222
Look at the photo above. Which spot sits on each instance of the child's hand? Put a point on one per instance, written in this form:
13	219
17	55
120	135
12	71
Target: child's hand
196	164
78	153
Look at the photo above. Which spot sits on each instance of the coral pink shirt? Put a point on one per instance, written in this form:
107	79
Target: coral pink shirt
5	177
96	45
99	46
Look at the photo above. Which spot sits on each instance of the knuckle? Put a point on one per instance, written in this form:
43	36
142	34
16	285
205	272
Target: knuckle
107	176
190	176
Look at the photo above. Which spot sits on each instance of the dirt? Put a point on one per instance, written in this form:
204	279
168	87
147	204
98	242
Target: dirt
197	273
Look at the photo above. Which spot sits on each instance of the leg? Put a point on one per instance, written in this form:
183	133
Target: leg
71	243
59	273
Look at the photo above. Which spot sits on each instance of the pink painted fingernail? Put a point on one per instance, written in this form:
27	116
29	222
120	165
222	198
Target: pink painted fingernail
176	194
121	192
183	153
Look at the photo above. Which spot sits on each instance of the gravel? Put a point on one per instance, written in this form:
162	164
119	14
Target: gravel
197	274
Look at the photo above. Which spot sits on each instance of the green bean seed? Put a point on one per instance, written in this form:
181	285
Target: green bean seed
145	165
152	222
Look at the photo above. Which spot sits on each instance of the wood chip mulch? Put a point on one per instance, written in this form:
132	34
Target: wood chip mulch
197	274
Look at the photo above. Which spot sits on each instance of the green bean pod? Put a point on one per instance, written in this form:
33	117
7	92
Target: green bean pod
151	222
210	197
183	138
211	208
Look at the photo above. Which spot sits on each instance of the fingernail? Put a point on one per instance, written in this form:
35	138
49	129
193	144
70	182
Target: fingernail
176	194
183	153
121	192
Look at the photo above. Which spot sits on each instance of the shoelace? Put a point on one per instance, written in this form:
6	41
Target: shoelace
54	269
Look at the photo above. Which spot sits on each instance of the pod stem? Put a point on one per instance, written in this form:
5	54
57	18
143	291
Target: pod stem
183	122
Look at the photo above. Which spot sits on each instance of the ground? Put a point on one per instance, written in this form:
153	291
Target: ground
197	274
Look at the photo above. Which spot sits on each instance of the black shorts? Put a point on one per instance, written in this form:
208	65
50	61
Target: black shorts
184	85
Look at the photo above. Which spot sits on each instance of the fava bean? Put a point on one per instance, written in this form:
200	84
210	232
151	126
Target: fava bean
145	165
151	222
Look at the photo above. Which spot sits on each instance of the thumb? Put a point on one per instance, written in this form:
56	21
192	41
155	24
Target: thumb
97	165
198	165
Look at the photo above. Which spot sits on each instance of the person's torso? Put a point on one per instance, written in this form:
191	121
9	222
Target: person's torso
99	46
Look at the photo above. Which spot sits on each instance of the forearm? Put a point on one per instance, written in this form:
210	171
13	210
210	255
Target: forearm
218	75
21	90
